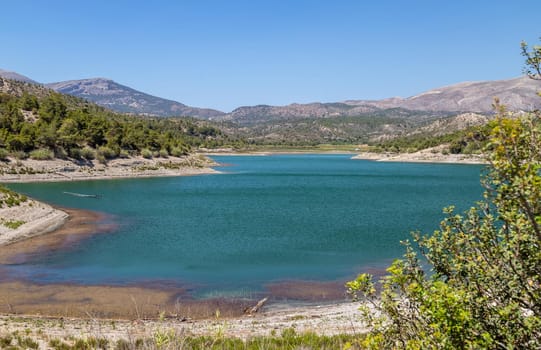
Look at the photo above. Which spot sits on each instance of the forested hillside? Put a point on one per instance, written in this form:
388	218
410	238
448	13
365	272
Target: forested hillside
39	123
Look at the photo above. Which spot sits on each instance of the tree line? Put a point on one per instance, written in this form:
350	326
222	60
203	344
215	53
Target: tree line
49	125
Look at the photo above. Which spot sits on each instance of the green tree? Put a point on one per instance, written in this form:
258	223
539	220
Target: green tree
478	282
533	60
68	133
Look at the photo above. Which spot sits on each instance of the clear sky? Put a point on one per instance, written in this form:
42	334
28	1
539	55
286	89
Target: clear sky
225	53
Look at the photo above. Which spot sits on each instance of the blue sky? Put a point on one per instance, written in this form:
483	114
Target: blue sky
225	54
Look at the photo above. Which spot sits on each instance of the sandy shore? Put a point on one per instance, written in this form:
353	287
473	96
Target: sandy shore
29	170
36	218
70	310
423	156
429	155
322	320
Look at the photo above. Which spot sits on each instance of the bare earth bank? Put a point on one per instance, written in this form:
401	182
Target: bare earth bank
430	155
29	170
323	320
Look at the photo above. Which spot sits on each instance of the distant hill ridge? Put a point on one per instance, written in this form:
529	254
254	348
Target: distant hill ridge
16	76
516	94
121	98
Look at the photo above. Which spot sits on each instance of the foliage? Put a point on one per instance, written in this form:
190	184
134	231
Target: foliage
483	289
71	127
86	153
533	60
3	154
13	224
467	141
10	198
146	153
171	339
42	154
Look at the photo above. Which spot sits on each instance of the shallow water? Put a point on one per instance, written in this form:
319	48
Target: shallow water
264	220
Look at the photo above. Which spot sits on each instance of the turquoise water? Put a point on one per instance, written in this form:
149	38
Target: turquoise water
265	219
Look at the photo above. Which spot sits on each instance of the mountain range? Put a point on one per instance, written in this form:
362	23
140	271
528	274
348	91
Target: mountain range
516	94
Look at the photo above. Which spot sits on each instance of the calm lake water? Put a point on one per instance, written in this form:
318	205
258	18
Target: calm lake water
265	219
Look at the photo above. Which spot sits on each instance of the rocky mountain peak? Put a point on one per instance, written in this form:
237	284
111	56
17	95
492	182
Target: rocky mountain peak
16	76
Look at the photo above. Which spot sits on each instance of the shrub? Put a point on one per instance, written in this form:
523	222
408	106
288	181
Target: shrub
88	153
42	154
164	153
101	158
146	153
3	154
107	152
124	154
20	155
178	151
13	224
60	153
76	153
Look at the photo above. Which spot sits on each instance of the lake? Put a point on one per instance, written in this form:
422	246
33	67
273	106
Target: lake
265	219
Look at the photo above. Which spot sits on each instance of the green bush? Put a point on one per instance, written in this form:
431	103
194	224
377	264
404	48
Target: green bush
75	153
3	154
163	153
60	153
123	154
88	153
20	155
107	153
178	151
146	153
42	154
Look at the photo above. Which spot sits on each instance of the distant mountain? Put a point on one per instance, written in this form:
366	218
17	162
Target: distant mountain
261	113
519	94
16	76
120	98
516	94
477	97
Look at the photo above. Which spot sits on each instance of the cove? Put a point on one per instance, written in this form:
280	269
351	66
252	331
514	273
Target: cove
263	220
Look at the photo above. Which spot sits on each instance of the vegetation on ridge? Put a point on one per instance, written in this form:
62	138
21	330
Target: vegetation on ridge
43	124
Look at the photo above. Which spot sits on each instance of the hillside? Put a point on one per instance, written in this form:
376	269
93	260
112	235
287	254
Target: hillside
352	121
517	94
16	76
360	128
120	98
39	123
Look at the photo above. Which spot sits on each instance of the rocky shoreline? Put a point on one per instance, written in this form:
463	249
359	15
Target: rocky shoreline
79	307
431	155
29	170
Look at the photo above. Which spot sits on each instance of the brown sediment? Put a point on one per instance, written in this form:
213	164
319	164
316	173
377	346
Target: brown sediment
80	224
146	300
122	302
307	290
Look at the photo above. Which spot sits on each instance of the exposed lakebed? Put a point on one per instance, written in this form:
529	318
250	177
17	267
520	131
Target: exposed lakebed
258	227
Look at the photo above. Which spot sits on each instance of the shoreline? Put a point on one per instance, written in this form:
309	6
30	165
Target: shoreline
148	301
36	302
325	320
58	170
423	156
